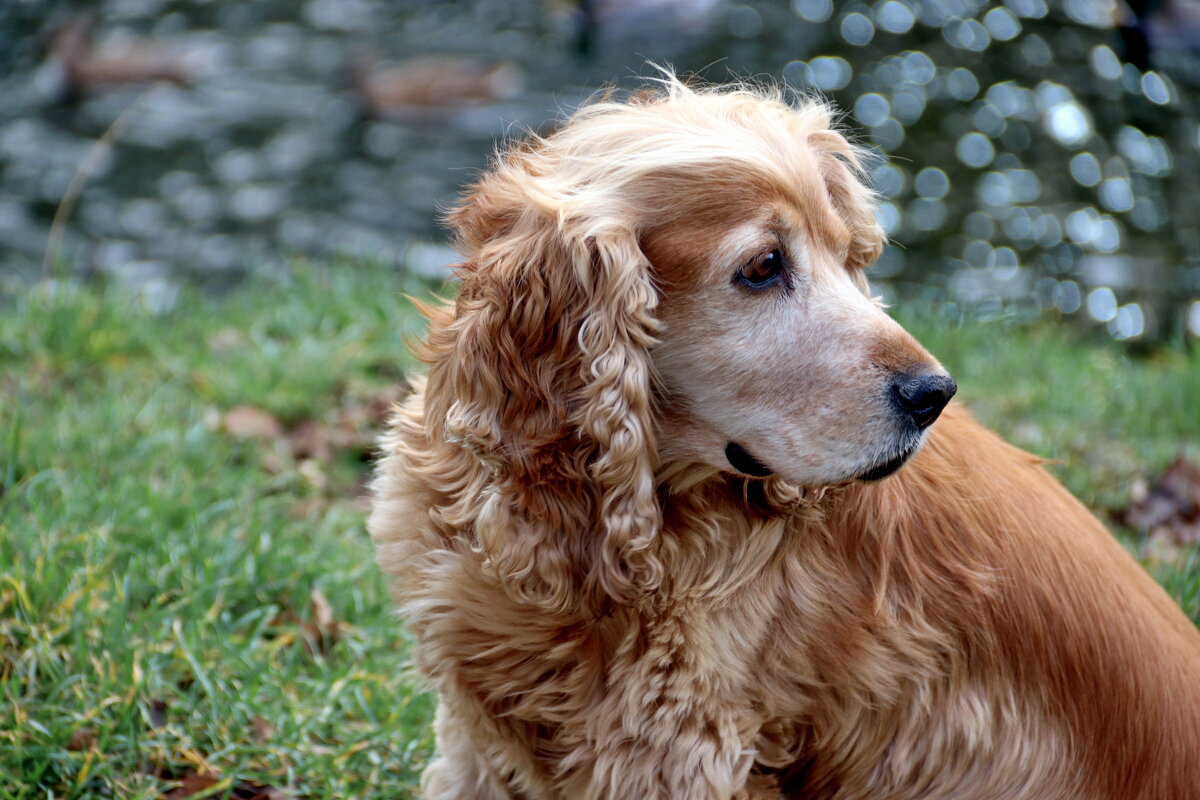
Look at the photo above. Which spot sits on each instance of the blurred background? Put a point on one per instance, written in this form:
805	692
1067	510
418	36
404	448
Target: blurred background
1037	156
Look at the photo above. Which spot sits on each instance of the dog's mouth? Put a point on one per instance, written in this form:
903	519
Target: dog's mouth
741	460
881	471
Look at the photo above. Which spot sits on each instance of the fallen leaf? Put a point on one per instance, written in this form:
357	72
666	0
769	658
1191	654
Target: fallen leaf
1168	508
263	731
1182	479
376	408
309	440
192	783
82	739
158	713
323	631
195	783
248	422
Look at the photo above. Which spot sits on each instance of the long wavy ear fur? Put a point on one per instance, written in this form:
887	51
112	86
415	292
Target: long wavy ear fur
543	375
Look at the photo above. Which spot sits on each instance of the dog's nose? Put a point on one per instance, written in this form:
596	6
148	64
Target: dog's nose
923	396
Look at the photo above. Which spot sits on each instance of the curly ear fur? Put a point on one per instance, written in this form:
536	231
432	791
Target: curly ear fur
543	375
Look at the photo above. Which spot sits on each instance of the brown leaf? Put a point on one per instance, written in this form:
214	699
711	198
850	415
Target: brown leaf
377	408
1182	480
310	440
1170	507
195	783
158	713
248	422
364	415
192	783
322	610
323	631
262	730
82	739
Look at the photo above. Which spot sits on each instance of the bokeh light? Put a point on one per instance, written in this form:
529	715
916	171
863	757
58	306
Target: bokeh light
1024	157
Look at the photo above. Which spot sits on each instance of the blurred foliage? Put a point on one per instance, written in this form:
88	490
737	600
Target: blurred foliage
1038	155
1033	154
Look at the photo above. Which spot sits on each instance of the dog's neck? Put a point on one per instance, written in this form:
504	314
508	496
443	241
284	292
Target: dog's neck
870	530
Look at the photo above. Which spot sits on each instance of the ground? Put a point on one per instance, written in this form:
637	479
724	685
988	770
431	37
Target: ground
188	600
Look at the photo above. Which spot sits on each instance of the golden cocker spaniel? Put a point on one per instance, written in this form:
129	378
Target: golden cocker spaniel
670	517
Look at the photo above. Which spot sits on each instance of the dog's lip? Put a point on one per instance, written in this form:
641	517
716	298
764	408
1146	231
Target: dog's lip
881	471
740	459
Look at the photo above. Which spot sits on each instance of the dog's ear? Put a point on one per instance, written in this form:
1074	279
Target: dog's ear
544	376
841	165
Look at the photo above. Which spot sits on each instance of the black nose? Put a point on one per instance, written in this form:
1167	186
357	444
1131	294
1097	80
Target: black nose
923	396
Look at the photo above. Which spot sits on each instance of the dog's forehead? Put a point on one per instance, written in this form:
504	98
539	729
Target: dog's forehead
718	229
702	233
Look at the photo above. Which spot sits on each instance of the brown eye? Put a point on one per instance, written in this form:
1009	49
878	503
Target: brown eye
764	270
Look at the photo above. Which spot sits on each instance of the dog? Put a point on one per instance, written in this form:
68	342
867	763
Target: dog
680	512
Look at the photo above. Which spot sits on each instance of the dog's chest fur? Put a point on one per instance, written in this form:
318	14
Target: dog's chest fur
767	630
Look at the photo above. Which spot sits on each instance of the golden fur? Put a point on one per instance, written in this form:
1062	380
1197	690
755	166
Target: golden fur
607	609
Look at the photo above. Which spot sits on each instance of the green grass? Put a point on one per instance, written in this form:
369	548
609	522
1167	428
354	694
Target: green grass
1108	417
157	572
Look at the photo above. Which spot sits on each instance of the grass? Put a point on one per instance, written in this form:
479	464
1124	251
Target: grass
184	597
157	573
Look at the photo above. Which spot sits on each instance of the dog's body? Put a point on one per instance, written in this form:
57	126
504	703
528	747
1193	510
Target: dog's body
610	608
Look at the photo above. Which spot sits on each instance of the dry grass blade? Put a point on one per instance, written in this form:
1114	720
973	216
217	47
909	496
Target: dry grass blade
82	175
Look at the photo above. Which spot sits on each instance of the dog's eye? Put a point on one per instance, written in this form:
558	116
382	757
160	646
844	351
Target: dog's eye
763	270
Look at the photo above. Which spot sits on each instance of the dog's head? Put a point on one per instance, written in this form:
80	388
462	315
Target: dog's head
673	280
774	359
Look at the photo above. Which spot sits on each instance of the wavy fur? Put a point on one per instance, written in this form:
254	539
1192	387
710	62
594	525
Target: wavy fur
607	611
